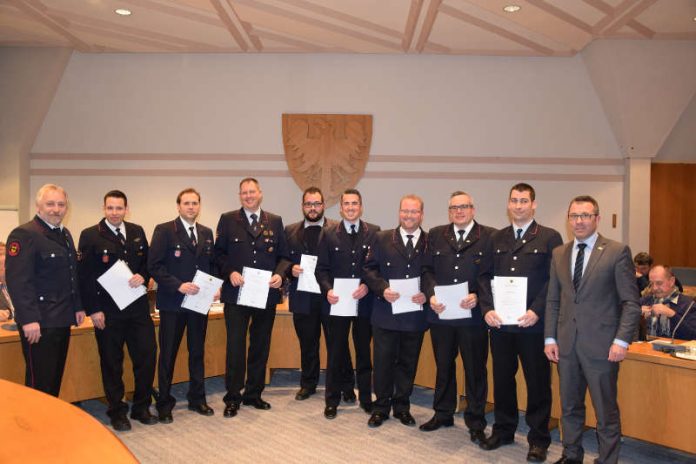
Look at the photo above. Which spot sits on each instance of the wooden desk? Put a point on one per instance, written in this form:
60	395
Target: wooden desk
36	427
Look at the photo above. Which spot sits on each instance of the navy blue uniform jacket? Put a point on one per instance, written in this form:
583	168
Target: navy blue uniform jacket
41	274
449	265
388	260
99	250
237	246
173	260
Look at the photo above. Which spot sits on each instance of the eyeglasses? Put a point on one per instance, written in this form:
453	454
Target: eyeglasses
350	203
461	207
312	204
584	217
412	212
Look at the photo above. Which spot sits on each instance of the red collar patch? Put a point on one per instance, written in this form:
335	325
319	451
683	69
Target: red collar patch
13	249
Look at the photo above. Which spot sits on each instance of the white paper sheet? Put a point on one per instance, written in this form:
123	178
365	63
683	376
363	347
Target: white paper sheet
254	292
510	298
451	296
115	282
207	288
307	282
347	306
406	288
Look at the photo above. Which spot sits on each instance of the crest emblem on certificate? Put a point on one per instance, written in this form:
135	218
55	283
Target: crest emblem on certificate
329	151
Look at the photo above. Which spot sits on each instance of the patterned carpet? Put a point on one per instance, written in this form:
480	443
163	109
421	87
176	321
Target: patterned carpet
297	432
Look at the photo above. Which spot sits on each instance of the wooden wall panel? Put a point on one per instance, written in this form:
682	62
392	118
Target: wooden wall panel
673	214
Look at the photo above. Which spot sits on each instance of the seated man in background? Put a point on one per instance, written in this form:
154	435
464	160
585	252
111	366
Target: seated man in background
5	303
666	308
643	262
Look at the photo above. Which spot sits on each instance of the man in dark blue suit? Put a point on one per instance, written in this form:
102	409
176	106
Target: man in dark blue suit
249	237
397	254
342	254
306	308
42	282
101	246
178	250
460	252
522	249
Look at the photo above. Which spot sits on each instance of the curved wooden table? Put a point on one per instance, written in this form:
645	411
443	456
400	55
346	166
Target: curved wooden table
36	427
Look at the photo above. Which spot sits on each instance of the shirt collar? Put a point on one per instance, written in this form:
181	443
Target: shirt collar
524	228
319	223
416	235
466	229
187	224
249	213
347	225
49	225
589	241
121	228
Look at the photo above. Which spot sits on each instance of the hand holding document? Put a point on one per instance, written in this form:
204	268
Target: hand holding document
347	306
254	291
406	288
307	282
510	298
451	296
207	288
115	282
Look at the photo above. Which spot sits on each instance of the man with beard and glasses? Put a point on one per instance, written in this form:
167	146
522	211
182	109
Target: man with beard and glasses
42	282
305	306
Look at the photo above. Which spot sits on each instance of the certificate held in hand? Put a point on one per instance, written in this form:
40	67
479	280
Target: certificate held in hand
451	296
207	288
254	291
407	289
510	298
347	306
115	282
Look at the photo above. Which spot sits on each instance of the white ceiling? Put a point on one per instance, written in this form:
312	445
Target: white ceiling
458	27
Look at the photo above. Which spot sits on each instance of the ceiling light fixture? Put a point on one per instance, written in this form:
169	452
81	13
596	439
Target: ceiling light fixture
123	12
512	8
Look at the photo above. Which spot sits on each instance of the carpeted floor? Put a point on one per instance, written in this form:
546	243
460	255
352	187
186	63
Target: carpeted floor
297	432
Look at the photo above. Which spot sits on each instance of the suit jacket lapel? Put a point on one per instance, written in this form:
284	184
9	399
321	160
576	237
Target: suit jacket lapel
595	256
566	262
108	234
528	236
183	235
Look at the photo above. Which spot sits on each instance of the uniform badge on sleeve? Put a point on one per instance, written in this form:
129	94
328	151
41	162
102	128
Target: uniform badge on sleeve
13	249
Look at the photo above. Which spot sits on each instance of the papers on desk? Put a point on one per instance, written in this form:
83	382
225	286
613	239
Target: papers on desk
451	296
510	298
115	282
207	288
307	282
254	291
407	288
347	306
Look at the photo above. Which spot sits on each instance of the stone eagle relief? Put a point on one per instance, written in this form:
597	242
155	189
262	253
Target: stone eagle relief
328	151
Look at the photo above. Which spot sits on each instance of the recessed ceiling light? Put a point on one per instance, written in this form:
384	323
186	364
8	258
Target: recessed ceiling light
512	8
123	12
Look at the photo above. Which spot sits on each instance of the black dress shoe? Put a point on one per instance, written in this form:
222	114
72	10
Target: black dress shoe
349	397
477	436
304	393
165	417
536	454
231	409
406	418
365	406
330	412
565	460
144	417
120	423
495	441
377	419
202	408
258	403
435	423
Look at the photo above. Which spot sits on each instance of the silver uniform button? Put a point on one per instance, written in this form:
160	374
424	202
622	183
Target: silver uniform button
514	258
454	280
407	276
456	267
512	268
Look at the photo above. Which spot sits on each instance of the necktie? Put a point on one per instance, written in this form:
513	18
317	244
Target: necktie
579	261
254	221
409	246
120	236
519	234
192	236
460	240
353	233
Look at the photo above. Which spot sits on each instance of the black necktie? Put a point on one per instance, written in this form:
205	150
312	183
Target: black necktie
120	236
254	222
579	261
409	245
519	234
353	233
192	236
460	240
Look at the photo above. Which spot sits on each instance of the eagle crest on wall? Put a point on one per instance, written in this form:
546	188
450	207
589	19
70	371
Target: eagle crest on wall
328	151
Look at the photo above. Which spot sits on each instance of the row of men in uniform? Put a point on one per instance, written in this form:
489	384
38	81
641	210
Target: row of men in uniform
582	308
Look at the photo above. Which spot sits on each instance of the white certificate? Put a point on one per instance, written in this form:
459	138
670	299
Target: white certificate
451	296
407	288
207	288
347	306
510	298
307	282
115	282
254	292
